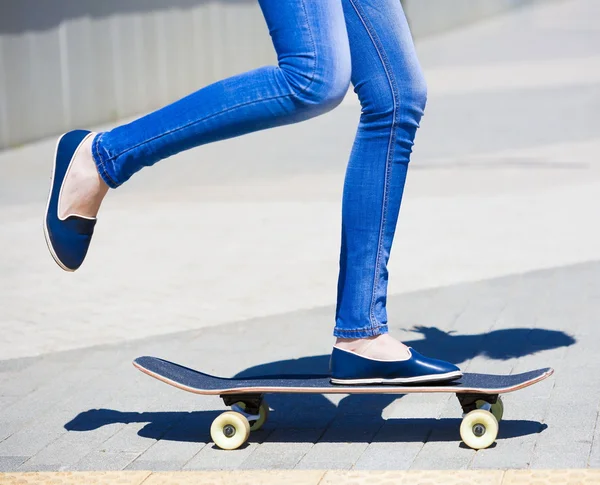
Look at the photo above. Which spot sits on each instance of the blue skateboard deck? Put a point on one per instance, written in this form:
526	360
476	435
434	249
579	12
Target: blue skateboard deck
197	382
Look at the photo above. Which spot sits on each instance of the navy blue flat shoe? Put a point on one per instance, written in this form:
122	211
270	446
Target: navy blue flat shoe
68	239
350	368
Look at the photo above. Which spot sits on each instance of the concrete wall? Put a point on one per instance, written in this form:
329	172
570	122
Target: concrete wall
76	63
69	63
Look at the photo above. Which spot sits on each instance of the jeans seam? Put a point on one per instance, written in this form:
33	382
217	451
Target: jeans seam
314	49
385	65
292	94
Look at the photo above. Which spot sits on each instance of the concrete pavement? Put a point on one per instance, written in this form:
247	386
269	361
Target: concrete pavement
495	267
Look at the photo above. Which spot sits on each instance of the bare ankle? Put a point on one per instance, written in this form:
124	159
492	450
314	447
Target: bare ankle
84	189
380	347
353	344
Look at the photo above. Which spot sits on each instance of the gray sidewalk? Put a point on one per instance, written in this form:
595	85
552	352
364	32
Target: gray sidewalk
91	410
495	267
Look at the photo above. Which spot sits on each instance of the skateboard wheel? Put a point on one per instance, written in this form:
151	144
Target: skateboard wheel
497	409
479	429
263	412
230	430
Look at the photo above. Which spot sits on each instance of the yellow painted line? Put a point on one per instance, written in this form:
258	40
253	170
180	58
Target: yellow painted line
415	477
270	477
309	477
74	478
563	477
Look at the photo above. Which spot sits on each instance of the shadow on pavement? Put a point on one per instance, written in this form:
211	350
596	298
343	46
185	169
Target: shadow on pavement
501	344
498	345
358	417
286	427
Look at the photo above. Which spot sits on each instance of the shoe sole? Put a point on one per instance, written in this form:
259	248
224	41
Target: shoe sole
46	232
401	380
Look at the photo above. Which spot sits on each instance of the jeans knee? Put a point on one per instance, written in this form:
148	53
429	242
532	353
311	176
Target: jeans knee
323	87
418	90
329	89
384	97
416	94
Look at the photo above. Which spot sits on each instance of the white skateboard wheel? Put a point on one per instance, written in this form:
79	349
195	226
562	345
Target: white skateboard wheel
479	429
230	430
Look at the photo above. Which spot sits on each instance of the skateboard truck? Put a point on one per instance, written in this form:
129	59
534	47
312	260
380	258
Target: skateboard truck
469	402
245	404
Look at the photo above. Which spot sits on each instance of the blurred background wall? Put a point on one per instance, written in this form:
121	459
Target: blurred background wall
76	63
431	16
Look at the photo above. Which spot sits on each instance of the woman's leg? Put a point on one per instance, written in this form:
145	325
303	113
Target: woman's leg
312	77
389	83
392	92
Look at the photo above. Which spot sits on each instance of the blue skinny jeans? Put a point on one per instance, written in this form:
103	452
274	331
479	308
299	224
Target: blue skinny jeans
322	46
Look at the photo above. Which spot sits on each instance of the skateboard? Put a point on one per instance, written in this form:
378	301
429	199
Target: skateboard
478	395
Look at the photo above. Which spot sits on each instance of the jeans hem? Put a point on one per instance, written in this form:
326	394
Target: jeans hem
101	164
360	332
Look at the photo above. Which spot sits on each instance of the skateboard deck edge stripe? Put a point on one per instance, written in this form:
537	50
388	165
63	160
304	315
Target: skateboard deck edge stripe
343	389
